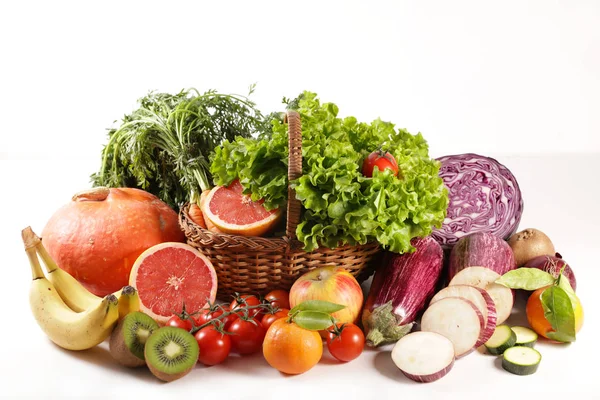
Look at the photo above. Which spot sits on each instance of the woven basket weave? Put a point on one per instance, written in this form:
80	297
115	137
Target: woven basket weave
259	264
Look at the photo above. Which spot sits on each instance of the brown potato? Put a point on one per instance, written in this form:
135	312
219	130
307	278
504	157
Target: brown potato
530	243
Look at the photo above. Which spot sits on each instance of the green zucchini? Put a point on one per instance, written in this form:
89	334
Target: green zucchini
525	336
521	360
502	339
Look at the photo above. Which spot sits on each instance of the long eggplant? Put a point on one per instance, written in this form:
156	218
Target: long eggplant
401	288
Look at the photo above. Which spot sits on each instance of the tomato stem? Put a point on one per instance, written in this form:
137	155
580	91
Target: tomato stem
337	331
226	314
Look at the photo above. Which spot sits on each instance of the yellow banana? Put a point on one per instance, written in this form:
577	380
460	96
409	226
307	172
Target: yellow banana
129	301
73	293
65	327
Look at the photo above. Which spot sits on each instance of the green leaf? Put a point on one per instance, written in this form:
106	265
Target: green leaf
317	305
558	310
526	278
564	284
313	320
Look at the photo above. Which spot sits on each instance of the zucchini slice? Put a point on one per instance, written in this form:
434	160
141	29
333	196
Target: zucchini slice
525	336
521	360
502	339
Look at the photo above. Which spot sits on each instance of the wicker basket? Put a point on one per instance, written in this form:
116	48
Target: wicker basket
258	264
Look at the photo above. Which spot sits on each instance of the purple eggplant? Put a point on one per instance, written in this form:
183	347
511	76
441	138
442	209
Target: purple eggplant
401	288
481	249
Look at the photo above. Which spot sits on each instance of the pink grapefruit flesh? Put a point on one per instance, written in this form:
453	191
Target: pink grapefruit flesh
169	275
234	212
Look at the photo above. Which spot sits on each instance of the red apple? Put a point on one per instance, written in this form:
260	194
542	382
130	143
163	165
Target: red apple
333	284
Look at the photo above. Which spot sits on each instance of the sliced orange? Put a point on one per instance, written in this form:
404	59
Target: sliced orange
233	212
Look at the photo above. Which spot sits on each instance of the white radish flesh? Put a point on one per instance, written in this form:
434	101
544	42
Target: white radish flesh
470	293
457	319
424	356
480	299
485	278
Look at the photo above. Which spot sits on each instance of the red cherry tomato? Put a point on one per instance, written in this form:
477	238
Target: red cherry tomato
380	160
205	315
268	319
278	298
247	335
177	322
244	301
214	346
348	345
228	319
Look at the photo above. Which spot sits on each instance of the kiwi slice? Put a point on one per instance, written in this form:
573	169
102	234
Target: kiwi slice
129	338
171	353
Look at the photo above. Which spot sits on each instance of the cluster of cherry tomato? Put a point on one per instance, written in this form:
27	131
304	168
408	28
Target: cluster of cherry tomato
241	327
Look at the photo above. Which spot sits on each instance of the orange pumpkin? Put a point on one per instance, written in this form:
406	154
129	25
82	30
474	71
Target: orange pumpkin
98	236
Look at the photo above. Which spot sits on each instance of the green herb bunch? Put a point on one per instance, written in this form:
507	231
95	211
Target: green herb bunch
164	145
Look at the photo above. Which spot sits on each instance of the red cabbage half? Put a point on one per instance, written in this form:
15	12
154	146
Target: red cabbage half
484	196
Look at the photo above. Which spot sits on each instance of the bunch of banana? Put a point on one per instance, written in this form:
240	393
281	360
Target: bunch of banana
67	312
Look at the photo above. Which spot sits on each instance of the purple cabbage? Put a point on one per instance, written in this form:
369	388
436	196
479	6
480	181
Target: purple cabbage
484	196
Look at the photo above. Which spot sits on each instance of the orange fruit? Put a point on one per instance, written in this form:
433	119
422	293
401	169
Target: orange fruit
233	212
539	323
291	349
169	275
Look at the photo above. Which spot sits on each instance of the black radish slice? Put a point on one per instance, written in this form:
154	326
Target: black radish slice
525	336
457	319
521	360
485	278
502	339
423	356
481	299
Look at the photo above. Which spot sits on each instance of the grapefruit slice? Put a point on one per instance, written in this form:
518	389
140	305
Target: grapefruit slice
209	225
234	212
169	275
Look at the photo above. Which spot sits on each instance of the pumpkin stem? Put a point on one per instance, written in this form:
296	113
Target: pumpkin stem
99	193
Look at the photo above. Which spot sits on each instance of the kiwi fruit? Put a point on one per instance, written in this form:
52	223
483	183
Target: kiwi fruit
129	337
171	353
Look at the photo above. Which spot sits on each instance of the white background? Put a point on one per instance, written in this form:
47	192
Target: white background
516	80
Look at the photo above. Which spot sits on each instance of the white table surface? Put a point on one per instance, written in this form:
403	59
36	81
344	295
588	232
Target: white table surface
562	197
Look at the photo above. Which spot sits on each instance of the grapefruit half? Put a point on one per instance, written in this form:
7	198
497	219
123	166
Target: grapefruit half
233	212
169	275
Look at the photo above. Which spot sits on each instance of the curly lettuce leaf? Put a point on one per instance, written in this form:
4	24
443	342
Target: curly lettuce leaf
261	166
340	205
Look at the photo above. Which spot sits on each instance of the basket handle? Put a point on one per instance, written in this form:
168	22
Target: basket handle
294	207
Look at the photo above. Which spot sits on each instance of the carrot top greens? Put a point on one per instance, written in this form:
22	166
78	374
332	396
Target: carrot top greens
164	145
